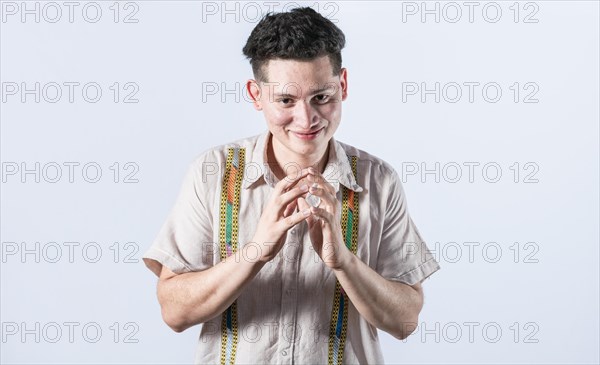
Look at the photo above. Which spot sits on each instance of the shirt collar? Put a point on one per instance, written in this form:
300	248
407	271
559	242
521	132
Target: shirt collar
338	170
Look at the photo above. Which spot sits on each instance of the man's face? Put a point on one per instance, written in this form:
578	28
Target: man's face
302	105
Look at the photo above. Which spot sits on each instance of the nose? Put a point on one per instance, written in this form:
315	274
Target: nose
305	115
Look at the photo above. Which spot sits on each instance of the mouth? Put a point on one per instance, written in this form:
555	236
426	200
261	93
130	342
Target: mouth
308	135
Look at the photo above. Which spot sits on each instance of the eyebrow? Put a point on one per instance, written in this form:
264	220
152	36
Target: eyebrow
315	92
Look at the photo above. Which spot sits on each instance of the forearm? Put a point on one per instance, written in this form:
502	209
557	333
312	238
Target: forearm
391	306
192	298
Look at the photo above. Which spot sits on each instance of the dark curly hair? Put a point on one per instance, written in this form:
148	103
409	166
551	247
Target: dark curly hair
301	34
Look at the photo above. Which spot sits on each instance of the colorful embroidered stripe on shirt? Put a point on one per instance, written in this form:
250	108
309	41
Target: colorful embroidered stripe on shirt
228	237
339	313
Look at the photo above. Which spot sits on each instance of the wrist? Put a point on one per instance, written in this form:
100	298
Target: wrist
255	253
347	261
262	251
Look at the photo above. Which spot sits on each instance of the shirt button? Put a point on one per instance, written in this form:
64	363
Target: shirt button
284	353
293	231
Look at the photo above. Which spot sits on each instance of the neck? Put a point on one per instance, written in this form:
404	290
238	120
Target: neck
279	160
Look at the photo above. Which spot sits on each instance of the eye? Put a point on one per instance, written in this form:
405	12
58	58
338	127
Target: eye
285	101
322	98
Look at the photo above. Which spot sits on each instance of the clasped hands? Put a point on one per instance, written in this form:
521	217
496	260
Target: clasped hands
288	206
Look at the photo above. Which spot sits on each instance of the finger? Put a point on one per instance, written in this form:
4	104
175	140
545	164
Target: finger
319	179
288	181
316	190
289	209
314	176
302	204
313	221
290	195
292	220
330	189
320	213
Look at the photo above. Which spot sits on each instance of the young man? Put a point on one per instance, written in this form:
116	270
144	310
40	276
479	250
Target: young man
291	247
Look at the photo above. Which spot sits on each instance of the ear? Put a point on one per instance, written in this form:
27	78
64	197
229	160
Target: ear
254	92
344	83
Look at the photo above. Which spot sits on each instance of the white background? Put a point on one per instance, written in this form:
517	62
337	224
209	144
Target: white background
542	296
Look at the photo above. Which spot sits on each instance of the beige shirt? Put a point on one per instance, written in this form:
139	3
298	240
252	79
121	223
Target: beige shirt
284	313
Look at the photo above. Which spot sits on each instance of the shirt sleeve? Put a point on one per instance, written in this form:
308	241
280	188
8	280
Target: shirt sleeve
403	255
185	242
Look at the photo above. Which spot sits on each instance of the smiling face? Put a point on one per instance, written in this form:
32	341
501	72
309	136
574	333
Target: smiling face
302	105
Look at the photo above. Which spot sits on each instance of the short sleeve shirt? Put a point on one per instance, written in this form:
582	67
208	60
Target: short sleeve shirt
284	312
